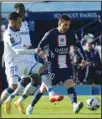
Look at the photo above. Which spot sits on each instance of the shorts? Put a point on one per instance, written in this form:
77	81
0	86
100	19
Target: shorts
61	75
15	70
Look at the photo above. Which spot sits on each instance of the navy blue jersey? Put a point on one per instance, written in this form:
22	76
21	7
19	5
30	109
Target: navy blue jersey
57	46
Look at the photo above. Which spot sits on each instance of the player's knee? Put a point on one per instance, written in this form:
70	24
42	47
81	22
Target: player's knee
25	81
13	86
42	89
42	69
35	79
68	83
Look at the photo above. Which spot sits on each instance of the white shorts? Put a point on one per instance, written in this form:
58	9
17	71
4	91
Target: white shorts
15	71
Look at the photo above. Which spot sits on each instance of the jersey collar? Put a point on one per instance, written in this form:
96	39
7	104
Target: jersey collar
13	29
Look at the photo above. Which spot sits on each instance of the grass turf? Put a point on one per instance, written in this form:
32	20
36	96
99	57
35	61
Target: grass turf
45	109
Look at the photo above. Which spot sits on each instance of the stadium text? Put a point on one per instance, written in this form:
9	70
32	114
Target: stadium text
78	15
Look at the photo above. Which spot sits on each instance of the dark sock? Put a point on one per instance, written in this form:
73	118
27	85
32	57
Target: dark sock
72	94
24	96
36	97
25	81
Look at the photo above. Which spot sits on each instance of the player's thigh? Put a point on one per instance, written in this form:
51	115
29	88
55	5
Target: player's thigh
12	81
14	72
68	78
62	75
68	83
35	68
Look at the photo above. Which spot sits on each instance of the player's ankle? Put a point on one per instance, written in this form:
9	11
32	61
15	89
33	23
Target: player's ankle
74	104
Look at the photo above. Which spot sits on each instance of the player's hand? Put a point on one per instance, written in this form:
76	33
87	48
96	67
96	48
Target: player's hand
43	55
75	62
38	50
83	64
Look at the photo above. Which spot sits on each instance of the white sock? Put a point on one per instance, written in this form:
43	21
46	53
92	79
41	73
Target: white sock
27	91
4	95
47	81
30	89
74	104
21	99
9	99
51	93
31	106
18	90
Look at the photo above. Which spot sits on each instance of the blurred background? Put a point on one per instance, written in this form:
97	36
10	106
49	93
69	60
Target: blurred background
42	16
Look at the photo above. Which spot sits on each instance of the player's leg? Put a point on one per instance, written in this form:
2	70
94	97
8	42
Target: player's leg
13	83
6	93
33	67
72	95
36	97
22	84
21	70
69	85
14	78
34	77
46	80
30	89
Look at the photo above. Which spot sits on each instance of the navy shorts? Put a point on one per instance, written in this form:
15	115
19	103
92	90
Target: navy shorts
61	75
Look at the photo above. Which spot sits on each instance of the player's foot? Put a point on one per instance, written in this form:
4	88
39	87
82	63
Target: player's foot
19	106
78	107
29	110
56	97
7	108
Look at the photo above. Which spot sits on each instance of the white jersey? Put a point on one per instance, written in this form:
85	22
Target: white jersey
13	45
25	36
12	41
24	32
17	40
19	60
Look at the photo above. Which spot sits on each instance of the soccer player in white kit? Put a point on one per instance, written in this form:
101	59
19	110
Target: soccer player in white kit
26	43
18	58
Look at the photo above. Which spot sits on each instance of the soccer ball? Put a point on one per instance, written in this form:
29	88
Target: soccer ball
93	103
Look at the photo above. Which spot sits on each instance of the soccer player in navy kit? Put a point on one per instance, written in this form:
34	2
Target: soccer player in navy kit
56	43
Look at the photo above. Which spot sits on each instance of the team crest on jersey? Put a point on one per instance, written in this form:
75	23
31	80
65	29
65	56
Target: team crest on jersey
62	40
12	40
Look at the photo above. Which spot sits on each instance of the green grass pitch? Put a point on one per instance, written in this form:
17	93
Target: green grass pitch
45	109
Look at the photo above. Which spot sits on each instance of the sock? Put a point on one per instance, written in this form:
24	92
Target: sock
5	94
30	89
50	92
47	82
18	90
72	95
36	97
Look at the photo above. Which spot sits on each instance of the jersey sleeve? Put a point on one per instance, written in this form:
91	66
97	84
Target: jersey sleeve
9	39
44	40
26	26
16	46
